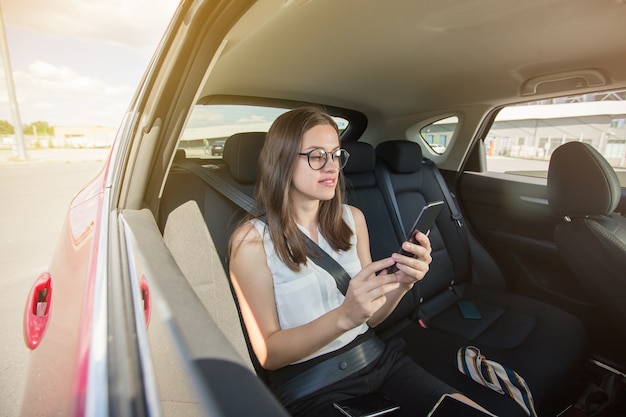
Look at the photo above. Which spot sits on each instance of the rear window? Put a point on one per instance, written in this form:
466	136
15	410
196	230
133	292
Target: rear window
210	126
437	135
523	137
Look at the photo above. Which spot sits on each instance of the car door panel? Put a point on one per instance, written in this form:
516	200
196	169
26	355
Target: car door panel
197	369
511	217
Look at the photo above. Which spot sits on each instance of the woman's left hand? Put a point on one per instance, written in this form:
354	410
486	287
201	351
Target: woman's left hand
411	270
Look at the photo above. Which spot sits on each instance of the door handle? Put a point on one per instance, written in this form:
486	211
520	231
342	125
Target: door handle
37	313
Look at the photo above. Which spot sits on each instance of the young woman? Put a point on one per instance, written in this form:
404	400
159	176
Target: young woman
316	342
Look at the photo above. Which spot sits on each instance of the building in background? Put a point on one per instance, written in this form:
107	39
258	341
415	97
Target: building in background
83	136
67	137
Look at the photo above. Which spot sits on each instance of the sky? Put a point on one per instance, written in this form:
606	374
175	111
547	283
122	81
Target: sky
78	62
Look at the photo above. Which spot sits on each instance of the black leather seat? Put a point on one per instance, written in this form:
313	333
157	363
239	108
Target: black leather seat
545	345
584	190
366	193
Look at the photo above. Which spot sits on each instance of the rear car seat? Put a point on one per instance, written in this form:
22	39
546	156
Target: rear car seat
546	346
238	168
221	216
363	191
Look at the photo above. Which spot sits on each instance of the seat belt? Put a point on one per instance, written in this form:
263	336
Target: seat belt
327	262
383	175
319	256
456	216
225	188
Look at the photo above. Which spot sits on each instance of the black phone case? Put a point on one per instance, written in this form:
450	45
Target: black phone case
425	221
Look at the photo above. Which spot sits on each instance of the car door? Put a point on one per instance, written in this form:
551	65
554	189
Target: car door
504	197
177	360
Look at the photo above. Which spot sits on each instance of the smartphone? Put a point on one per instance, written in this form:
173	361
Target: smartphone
425	221
369	405
448	406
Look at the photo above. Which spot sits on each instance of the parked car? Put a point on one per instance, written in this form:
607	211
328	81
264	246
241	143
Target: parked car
135	316
217	148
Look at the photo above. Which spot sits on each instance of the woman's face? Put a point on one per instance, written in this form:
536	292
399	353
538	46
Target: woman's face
309	184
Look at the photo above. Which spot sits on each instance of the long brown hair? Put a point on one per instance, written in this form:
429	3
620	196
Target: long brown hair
276	167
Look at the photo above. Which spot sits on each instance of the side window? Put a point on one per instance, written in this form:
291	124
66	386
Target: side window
438	135
523	137
209	126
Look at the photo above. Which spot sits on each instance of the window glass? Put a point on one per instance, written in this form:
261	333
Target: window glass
523	137
437	135
209	127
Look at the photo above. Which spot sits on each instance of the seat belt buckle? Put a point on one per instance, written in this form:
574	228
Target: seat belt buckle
458	220
418	317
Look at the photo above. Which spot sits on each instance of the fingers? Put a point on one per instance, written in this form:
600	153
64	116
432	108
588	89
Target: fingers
379	266
366	291
411	271
414	267
368	279
423	241
420	250
367	282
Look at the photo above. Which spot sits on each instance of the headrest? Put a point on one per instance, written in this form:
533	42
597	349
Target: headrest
581	181
402	156
362	157
241	154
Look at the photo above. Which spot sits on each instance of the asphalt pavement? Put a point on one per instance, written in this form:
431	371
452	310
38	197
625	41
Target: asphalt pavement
34	197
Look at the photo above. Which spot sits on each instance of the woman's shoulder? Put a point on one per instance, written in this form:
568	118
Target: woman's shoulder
356	214
247	234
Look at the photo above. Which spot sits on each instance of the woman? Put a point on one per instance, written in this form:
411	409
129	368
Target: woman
297	319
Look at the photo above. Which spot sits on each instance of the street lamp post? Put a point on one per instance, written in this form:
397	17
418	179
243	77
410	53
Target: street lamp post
19	134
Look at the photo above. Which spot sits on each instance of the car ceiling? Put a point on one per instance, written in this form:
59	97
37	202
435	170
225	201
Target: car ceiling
390	58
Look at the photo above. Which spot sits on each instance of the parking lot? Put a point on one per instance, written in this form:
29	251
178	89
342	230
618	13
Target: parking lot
35	196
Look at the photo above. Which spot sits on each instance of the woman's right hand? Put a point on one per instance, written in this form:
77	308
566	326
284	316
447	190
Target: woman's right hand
367	293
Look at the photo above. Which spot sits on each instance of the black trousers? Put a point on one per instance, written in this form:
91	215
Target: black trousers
394	375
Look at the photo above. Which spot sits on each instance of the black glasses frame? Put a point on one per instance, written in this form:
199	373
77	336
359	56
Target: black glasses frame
335	155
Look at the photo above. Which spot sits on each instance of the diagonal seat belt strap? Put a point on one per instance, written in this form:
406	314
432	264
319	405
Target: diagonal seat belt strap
247	203
456	216
325	261
493	375
222	186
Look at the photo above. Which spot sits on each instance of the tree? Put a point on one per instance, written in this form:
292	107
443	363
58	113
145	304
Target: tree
40	127
6	128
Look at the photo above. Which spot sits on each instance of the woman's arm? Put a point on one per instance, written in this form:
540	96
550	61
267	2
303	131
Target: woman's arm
410	270
253	284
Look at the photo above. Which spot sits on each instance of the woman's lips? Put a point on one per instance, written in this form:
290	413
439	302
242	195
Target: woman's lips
329	181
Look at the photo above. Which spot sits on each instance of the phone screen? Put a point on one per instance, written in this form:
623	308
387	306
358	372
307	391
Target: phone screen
369	405
448	406
425	221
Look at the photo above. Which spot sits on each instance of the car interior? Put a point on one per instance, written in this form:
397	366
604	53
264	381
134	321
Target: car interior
416	101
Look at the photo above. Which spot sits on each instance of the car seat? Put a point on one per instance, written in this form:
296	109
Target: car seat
584	190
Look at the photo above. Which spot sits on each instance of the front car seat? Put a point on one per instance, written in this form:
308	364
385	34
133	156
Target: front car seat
584	190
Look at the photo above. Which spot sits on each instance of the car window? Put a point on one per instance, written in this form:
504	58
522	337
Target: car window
438	135
209	126
523	137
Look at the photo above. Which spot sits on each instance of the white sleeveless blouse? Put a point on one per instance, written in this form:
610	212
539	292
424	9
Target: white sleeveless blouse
303	296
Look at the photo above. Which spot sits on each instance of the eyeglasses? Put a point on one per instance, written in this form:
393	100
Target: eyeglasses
317	158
